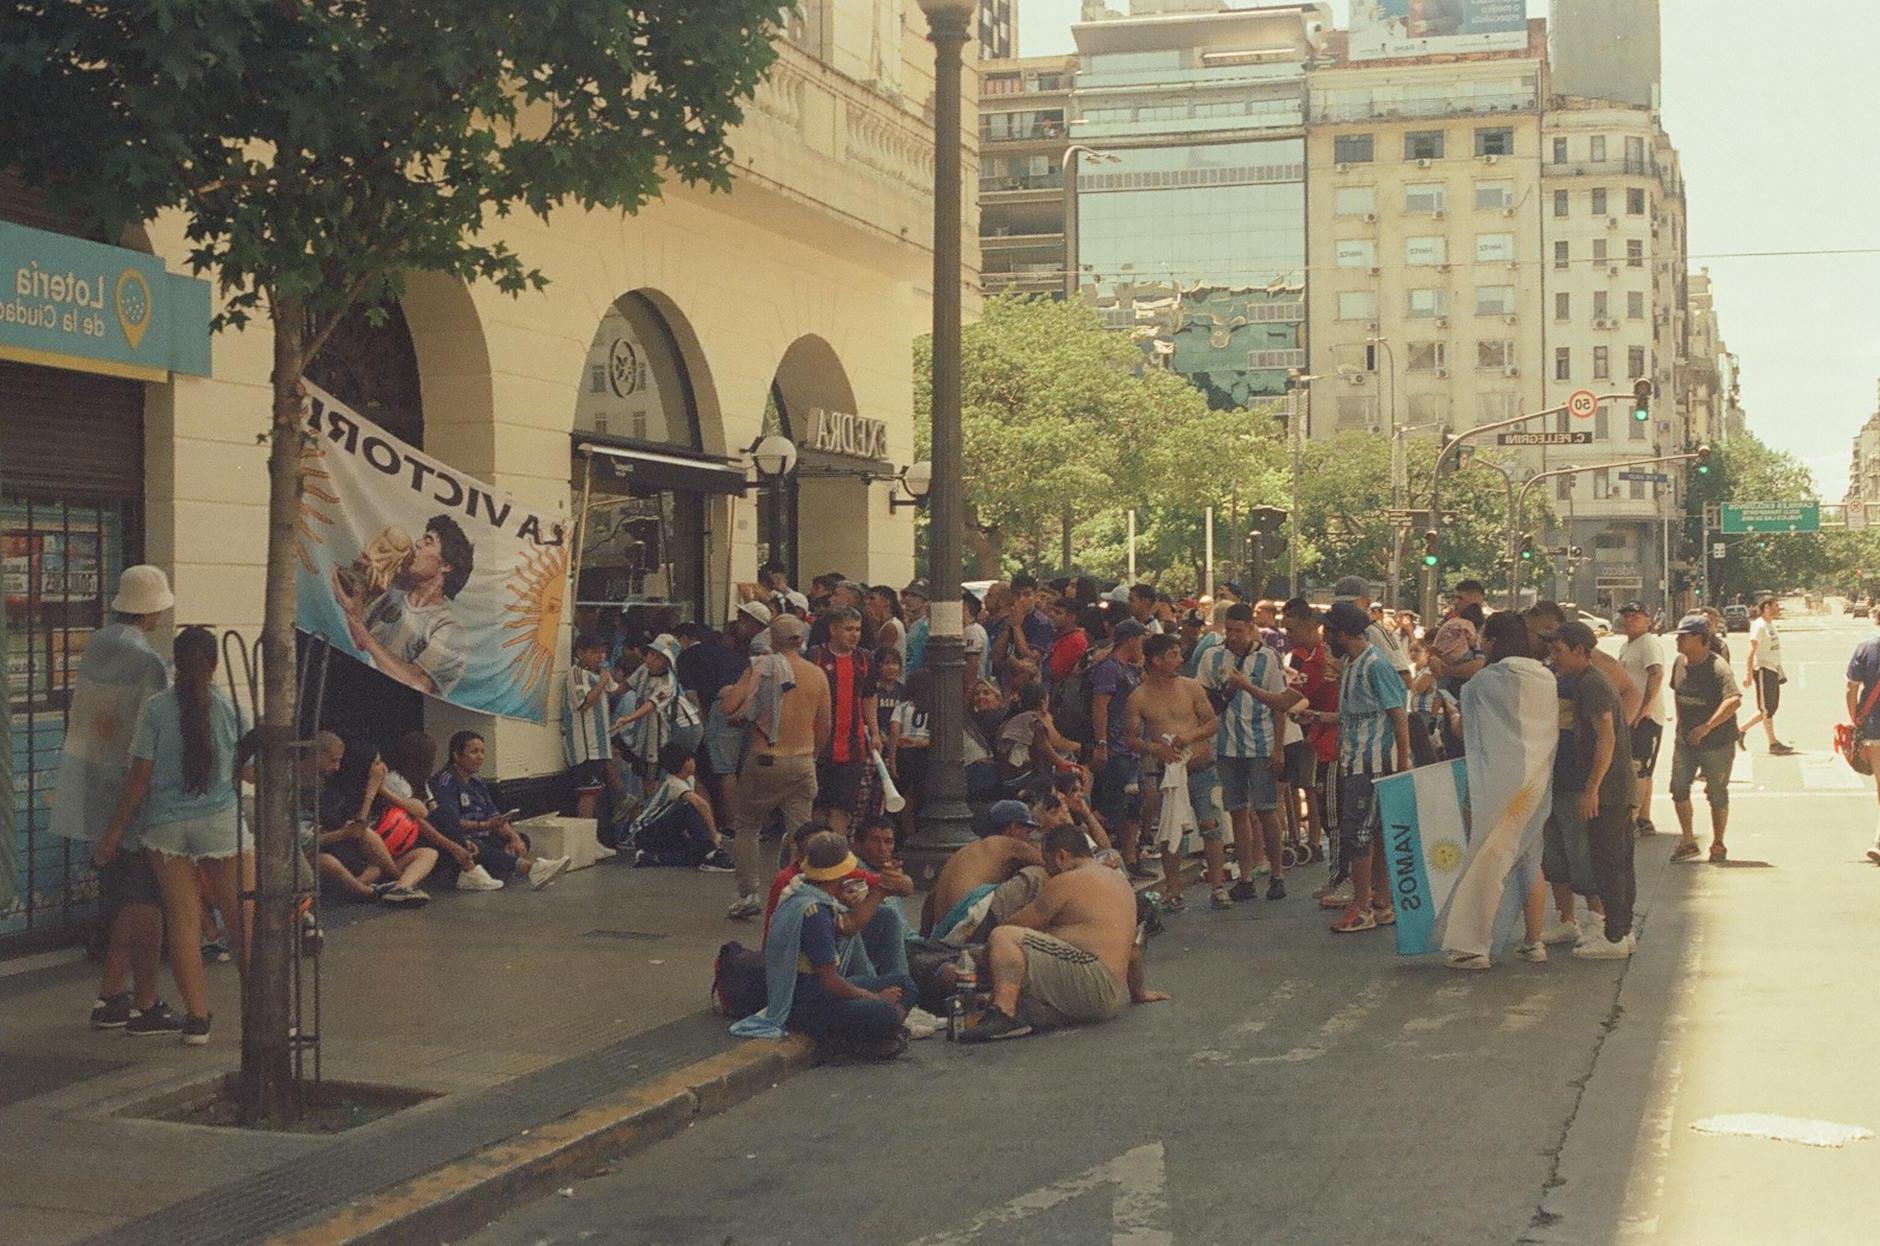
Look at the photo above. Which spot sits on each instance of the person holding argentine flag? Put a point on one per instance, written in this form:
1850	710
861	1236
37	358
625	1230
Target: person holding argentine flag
1510	729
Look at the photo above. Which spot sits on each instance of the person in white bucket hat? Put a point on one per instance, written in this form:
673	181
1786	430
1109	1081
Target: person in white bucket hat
118	673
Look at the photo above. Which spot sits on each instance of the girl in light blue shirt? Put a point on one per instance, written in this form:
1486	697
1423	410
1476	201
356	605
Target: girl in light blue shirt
182	778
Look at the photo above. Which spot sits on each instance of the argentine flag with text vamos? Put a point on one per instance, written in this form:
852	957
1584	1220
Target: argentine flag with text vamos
1462	838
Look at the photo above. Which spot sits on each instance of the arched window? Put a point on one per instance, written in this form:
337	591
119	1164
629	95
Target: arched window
635	384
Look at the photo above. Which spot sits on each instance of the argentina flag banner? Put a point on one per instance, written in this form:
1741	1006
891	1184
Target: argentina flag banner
1424	815
1462	838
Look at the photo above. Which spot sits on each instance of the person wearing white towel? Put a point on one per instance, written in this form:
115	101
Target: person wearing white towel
1169	722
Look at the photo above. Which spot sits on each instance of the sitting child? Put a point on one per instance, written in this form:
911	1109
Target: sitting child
675	826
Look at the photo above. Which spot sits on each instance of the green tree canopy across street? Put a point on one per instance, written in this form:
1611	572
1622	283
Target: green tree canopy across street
320	152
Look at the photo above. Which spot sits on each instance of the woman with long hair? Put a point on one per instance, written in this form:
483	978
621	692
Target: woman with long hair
182	779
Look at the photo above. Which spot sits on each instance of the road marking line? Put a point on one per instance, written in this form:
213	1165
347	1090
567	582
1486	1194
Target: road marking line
1138	1210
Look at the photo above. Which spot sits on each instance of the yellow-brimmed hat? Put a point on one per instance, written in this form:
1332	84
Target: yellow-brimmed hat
846	866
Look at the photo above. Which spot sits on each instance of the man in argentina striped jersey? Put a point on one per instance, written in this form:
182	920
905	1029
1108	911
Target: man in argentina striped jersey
1373	741
1246	680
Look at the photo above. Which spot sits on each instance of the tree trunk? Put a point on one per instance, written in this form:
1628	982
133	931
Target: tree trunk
268	1093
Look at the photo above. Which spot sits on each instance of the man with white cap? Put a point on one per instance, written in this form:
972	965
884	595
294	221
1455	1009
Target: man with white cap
118	673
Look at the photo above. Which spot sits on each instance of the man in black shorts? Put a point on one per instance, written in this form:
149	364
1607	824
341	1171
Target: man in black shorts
1643	658
843	765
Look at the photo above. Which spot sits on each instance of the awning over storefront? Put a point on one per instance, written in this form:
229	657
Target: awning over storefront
665	469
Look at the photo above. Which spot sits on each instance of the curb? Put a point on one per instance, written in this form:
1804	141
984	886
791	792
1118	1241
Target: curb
462	1196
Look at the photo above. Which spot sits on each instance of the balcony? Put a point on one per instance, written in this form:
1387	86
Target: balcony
1325	108
992	183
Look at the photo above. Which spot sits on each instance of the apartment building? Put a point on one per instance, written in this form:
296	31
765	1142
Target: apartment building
1023	140
1426	238
1187	221
1616	308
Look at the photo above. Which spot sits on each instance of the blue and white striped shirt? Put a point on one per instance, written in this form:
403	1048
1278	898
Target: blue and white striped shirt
1368	689
1247	724
587	729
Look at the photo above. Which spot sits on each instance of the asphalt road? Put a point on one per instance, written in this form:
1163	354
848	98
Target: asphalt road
1306	1088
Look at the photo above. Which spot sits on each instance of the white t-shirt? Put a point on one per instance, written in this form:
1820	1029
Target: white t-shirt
429	637
1638	656
1768	645
913	723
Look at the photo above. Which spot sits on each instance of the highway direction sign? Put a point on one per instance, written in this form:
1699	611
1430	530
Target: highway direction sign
1771	517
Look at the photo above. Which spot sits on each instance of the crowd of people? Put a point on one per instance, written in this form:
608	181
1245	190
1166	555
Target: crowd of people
1110	732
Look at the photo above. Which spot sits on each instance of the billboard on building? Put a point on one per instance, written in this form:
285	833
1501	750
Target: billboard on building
1388	28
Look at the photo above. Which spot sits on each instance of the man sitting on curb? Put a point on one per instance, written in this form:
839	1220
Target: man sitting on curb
808	963
885	936
975	870
1070	956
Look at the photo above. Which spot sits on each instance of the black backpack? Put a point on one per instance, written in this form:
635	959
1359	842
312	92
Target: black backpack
738	984
1070	704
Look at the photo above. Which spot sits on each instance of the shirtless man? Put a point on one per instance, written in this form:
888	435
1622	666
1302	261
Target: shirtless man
993	859
1070	956
780	769
1169	718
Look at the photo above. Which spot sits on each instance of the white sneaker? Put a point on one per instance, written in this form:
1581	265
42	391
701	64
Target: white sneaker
1558	931
1598	947
546	871
476	878
1534	953
745	906
922	1024
1467	960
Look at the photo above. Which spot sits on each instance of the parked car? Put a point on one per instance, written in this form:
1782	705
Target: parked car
1736	618
1601	626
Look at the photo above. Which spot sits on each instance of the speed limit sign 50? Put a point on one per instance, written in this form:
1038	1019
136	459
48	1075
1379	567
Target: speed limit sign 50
1582	403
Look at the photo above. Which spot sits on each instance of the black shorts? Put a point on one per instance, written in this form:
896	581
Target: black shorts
1646	737
1302	765
589	774
839	784
1768	691
129	879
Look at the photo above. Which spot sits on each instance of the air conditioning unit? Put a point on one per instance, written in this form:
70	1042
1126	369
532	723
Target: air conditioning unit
1613	271
1442	268
1490	159
1356	378
1612	222
1513	264
1442	322
1343	166
1510	318
1371	327
1507	209
1511	370
1441	373
1423	163
1439	215
1370	218
1375	270
1604	324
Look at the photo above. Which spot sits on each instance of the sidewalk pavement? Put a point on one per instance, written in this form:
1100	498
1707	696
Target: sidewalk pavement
506	993
558	1029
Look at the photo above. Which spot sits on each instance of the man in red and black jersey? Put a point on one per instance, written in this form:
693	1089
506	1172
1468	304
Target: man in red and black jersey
842	767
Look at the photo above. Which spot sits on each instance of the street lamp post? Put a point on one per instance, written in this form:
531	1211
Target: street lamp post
946	823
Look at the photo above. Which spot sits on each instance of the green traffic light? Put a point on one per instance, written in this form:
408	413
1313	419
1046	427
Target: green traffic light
1429	560
1527	555
1642	414
1703	469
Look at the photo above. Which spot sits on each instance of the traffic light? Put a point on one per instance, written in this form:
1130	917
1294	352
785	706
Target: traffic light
1642	400
1703	460
1527	548
1430	558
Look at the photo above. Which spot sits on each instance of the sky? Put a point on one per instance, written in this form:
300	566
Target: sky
1771	109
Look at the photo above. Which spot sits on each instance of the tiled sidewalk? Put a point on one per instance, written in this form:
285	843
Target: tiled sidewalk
469	994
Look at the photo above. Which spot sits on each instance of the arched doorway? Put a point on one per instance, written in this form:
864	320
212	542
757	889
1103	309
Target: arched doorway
840	451
372	368
641	474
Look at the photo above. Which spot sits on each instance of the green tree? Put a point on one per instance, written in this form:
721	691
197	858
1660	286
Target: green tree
1345	495
320	152
1065	421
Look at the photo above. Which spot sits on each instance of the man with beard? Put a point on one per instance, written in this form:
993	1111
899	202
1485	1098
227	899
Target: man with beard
410	633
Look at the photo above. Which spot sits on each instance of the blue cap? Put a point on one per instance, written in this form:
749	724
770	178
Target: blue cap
1007	812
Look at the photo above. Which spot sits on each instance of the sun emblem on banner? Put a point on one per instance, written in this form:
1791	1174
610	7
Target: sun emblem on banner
534	611
1445	855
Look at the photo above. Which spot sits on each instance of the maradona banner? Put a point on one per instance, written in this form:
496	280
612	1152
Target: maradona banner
437	580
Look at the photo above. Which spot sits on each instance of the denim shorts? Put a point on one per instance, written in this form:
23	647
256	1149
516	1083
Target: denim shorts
204	838
1114	801
725	743
1687	762
1248	783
